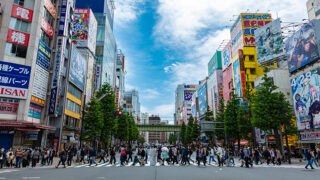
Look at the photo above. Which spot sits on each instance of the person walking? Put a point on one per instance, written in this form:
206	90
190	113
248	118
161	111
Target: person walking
211	156
267	156
220	153
92	157
51	155
204	155
123	156
273	156
35	157
63	158
199	155
313	155
102	155
2	157
130	154
70	157
278	156
142	156
25	162
308	158
19	155
112	155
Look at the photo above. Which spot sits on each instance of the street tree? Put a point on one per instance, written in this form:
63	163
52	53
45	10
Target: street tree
182	133
219	121
188	133
208	116
196	131
123	127
231	126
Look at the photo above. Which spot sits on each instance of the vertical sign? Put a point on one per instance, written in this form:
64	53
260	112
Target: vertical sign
18	37
21	13
50	7
64	10
55	85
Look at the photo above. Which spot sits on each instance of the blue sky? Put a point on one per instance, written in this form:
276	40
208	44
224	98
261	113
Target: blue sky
168	42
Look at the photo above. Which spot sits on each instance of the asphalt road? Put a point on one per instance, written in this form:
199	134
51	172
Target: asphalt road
162	173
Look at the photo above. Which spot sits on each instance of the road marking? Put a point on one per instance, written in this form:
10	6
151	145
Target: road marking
100	177
30	177
3	178
8	170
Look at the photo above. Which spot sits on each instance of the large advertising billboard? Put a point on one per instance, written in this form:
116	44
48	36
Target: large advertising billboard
237	79
226	56
14	80
250	23
41	76
214	63
302	47
236	36
188	95
78	66
269	42
84	30
89	78
64	12
306	94
202	98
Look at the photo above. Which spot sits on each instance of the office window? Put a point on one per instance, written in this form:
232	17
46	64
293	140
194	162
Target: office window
16	50
25	3
19	25
251	57
74	91
252	71
45	37
72	122
72	106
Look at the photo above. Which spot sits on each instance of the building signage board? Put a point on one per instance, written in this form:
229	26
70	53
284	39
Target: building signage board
188	95
226	56
47	27
236	75
77	72
50	7
315	135
62	27
14	80
269	42
236	37
250	23
41	76
89	78
21	13
202	96
18	37
34	111
57	68
97	77
9	107
305	91
302	47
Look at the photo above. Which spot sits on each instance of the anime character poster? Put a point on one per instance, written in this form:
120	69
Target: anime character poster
306	94
302	46
237	80
188	95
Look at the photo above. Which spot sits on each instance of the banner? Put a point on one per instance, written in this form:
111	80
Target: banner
64	12
303	46
306	95
188	95
269	42
304	136
236	75
236	37
14	80
18	37
202	97
21	13
41	77
9	107
226	56
46	27
50	7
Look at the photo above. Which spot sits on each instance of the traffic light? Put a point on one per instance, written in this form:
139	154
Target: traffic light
120	113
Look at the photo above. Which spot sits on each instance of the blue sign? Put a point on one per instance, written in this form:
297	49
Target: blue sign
63	18
77	69
44	56
202	96
14	75
97	77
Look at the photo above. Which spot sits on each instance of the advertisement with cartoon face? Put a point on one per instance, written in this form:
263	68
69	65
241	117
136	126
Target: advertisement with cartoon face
306	94
78	66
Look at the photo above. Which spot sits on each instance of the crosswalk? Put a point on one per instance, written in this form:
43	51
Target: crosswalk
130	164
8	170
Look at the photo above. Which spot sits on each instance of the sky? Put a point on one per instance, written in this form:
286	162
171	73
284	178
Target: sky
170	42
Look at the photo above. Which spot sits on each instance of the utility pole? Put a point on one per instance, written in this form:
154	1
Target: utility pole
82	119
286	134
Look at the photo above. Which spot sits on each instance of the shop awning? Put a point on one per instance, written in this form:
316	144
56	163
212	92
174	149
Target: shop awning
25	124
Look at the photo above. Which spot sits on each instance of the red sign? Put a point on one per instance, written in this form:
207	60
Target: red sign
47	27
50	7
18	37
22	13
8	108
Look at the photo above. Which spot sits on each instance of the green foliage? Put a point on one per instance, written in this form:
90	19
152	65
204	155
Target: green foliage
108	106
244	123
172	139
209	117
123	127
188	135
141	140
230	117
196	131
93	121
220	118
183	133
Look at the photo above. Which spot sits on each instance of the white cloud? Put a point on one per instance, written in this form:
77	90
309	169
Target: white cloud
149	94
165	111
127	10
198	27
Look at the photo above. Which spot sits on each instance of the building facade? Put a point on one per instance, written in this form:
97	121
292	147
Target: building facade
132	104
154	137
183	102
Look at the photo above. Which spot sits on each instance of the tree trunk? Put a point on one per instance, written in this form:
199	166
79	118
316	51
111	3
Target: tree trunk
277	137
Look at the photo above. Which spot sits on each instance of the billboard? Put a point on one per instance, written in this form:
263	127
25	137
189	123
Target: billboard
236	75
250	23
41	76
306	94
84	30
269	42
214	63
14	80
302	47
202	97
236	36
90	78
64	10
227	83
21	13
226	56
188	95
8	106
46	27
77	70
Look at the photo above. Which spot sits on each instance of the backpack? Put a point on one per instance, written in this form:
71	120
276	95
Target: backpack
123	153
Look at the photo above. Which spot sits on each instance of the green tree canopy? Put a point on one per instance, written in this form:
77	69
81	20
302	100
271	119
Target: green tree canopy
219	126
230	118
188	133
182	133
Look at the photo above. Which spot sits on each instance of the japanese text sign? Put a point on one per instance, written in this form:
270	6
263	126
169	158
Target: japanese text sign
21	13
63	17
18	37
47	27
50	7
250	23
14	80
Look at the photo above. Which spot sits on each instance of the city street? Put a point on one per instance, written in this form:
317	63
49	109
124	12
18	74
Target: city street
160	173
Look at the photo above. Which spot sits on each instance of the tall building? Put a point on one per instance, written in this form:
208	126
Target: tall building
132	104
106	47
154	137
120	79
183	103
144	119
214	82
27	31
